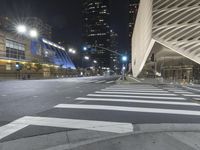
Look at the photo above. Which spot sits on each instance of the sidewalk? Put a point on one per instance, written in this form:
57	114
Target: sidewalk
144	136
132	80
128	80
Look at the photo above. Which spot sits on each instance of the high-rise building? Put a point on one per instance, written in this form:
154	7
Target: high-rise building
133	9
96	29
114	45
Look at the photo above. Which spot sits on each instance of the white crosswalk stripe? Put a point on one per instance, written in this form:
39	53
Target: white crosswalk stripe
193	89
131	96
183	92
131	90
129	87
191	95
129	109
10	128
138	101
132	99
110	82
123	86
106	126
134	93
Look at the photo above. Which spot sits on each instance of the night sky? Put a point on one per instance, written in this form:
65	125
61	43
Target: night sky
65	17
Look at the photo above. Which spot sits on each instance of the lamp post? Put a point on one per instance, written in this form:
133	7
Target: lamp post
21	29
124	60
26	31
72	51
33	33
84	58
95	62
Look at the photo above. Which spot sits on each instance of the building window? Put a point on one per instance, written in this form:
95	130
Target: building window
15	50
8	67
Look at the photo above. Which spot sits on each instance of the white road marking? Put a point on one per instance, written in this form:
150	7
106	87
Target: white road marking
183	92
174	89
133	85
101	81
10	129
144	89
197	90
106	126
130	109
191	95
110	82
177	90
131	93
131	96
138	101
141	91
126	86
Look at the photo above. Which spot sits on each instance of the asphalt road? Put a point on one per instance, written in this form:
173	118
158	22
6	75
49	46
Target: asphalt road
94	103
28	97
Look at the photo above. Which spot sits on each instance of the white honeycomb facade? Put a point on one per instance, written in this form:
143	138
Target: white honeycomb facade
174	24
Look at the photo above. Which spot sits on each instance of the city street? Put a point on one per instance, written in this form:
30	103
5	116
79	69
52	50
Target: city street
100	75
35	107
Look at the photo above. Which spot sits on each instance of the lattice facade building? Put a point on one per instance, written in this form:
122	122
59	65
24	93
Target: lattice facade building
165	30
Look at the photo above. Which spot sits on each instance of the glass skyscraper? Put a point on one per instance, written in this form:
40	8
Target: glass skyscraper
96	29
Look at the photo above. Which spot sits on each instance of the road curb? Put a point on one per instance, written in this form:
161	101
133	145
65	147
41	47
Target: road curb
154	132
53	139
76	138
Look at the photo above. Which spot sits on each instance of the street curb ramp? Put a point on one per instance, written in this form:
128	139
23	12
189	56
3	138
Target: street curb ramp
144	137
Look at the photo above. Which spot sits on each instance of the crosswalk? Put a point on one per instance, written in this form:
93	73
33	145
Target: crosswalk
188	92
116	108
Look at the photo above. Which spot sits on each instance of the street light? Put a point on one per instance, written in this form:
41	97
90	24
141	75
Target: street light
85	48
124	58
95	61
72	51
86	58
21	29
33	33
